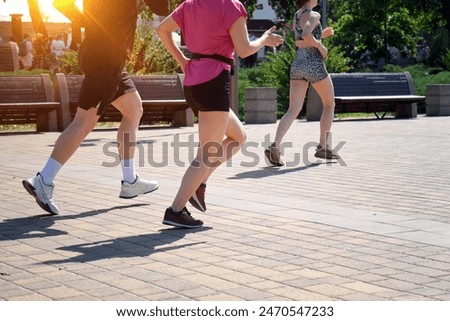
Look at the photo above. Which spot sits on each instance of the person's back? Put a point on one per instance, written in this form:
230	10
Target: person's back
110	26
57	46
26	52
207	33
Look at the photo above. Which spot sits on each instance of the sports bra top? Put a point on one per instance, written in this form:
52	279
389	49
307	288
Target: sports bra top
317	31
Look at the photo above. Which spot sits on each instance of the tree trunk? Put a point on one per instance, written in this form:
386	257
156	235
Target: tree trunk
36	18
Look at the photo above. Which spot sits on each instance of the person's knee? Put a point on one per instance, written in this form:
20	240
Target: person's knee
329	105
133	110
85	120
240	138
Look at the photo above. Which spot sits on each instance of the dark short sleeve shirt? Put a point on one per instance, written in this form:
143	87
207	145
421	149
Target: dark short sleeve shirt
110	26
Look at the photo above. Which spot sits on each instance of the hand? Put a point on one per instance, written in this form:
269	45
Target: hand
183	64
323	51
272	39
327	32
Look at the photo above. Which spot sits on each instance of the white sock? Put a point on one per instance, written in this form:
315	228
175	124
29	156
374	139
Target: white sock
50	171
128	170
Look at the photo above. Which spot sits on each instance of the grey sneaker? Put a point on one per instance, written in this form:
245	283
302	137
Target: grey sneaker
42	193
326	153
273	156
181	219
140	186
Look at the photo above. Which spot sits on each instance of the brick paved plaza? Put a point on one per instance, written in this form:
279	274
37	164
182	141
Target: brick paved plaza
374	226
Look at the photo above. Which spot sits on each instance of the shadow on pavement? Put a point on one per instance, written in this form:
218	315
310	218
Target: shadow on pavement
274	171
130	246
40	225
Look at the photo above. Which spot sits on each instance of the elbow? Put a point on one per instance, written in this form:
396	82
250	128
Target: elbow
163	32
309	39
244	53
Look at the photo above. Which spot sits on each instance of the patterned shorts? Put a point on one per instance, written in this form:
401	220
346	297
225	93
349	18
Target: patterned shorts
308	65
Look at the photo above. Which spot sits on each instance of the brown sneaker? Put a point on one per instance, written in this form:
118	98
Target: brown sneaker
198	199
181	219
273	155
326	153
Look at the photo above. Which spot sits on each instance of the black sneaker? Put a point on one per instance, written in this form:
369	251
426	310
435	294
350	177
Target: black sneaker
181	219
198	199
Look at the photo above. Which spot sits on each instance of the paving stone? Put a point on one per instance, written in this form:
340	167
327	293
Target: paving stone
300	232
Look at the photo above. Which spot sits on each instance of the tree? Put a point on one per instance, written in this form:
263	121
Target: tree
36	18
284	9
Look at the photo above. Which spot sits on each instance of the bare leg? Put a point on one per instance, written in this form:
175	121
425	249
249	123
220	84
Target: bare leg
211	128
71	138
130	105
297	94
235	138
326	92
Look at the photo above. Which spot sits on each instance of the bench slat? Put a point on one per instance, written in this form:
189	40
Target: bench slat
28	99
162	99
368	92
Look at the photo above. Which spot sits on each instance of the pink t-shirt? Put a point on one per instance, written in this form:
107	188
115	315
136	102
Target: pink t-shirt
205	26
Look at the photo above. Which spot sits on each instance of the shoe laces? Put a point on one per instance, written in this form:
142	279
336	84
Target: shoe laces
185	211
48	189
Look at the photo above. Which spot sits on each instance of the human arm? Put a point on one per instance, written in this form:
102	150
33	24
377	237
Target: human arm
70	10
327	32
308	39
243	46
164	31
159	7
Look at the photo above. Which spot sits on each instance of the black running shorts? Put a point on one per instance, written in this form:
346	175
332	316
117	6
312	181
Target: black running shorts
213	95
104	81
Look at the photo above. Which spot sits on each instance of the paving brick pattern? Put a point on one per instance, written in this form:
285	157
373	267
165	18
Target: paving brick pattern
373	226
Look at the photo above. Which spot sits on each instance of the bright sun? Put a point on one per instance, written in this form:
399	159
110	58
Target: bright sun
49	13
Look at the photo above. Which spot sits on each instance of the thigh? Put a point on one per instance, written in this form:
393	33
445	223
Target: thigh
129	104
234	129
325	90
211	129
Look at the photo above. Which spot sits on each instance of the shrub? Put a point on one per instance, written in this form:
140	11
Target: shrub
70	62
149	55
445	60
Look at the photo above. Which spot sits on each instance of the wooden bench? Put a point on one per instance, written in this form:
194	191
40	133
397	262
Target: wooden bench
28	100
377	93
162	100
9	59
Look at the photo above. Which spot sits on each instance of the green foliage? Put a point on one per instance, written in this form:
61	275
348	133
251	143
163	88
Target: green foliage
423	75
70	62
439	43
149	55
337	61
388	25
445	60
275	73
284	9
24	72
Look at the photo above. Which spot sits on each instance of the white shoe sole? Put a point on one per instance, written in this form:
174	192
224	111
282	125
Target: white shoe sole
32	191
133	196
